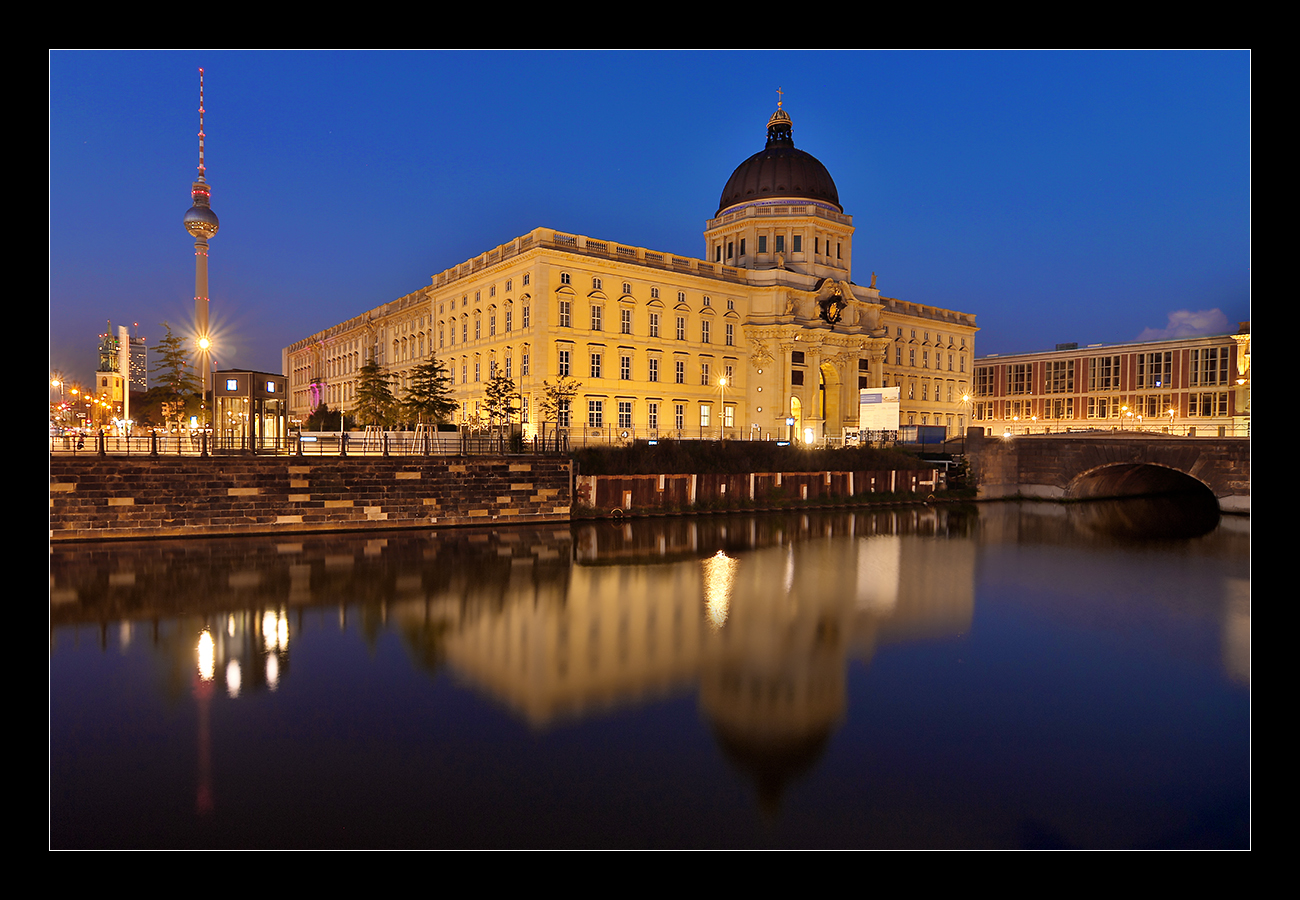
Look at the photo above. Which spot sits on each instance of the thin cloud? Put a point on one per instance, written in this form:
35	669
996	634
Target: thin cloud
1188	323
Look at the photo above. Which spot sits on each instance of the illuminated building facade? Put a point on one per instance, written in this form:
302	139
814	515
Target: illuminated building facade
1197	386
768	325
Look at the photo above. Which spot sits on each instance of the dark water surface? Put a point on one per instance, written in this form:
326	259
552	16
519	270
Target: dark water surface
1025	675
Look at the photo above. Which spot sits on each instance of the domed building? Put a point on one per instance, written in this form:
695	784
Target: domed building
766	337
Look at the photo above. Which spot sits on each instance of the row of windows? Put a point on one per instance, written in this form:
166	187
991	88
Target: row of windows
925	359
778	246
925	339
1146	406
597	284
596	367
625	324
596	414
525	317
1153	370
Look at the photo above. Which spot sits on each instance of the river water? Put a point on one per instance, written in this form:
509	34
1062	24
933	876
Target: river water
1012	675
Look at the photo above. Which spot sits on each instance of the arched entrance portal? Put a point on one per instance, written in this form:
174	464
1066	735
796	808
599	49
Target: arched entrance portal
796	413
829	401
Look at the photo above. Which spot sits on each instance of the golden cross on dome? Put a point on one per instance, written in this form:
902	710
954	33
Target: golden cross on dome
779	94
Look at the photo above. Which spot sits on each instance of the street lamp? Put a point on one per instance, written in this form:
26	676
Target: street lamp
722	406
965	423
205	346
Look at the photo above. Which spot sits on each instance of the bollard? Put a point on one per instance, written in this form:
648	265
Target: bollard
384	443
343	444
153	443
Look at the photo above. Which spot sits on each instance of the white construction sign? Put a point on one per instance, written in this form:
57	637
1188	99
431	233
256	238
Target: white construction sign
878	409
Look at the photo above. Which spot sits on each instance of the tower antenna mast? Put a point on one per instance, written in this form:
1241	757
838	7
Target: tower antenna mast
201	222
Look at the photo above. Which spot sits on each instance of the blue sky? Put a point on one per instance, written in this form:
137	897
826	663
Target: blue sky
1083	196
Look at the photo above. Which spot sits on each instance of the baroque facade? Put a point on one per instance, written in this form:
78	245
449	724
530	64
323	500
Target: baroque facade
1196	386
767	326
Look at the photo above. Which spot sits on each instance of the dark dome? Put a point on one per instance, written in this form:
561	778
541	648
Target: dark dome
779	170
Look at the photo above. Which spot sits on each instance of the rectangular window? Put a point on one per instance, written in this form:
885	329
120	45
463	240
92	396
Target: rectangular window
796	378
625	368
654	368
728	417
1154	369
595	413
780	243
681	371
705	410
509	367
562	414
625	414
925	359
731	334
704	332
509	317
681	328
492	326
524	320
1103	374
625	321
478	328
798	243
595	365
1020	379
1209	366
523	363
742	246
654	325
565	312
653	415
563	367
704	373
1060	377
523	411
679	415
597	319
477	371
464	332
762	243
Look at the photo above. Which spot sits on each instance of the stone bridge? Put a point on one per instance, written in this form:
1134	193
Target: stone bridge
1086	465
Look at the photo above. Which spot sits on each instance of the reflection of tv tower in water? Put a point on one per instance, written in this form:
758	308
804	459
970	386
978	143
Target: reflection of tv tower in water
201	222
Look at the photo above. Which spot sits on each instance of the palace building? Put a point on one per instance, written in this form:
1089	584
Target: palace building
1194	386
767	326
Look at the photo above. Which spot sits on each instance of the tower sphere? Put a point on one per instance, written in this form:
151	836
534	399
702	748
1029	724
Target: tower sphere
200	220
779	171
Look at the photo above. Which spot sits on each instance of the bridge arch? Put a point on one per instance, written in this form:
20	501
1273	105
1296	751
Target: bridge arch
1127	479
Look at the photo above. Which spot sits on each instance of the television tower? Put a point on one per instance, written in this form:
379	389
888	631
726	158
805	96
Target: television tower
201	222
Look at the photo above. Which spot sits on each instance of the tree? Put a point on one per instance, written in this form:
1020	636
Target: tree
557	399
429	397
375	401
323	418
176	385
501	394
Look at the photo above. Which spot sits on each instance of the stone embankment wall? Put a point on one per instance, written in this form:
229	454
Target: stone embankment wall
666	492
98	498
